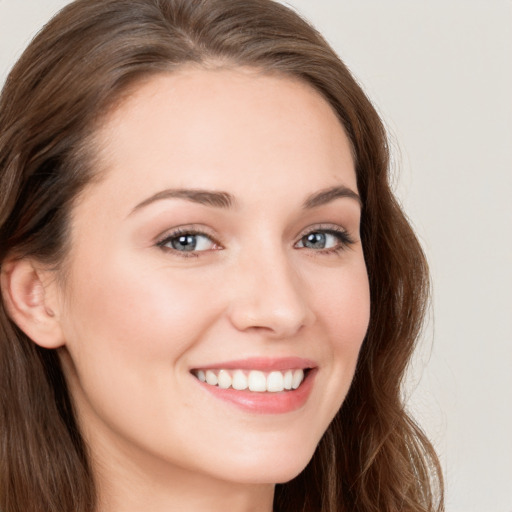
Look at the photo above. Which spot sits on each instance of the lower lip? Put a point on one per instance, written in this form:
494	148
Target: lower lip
266	403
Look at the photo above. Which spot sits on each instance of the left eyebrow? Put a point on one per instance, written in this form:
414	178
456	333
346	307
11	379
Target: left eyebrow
330	194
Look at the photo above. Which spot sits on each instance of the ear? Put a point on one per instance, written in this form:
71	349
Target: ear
30	297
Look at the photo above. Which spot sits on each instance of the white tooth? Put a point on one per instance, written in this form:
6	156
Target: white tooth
275	382
224	379
288	379
211	378
201	376
257	381
298	377
239	380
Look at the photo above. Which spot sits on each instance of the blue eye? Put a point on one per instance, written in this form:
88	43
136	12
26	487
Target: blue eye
188	242
325	240
318	241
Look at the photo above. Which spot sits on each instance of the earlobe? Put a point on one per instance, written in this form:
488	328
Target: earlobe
30	302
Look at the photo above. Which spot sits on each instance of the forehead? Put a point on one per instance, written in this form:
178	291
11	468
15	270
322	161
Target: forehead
234	129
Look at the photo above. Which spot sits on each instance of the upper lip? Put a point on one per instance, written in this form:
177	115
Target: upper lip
261	363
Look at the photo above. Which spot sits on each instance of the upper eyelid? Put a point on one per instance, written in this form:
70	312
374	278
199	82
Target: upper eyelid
336	228
204	230
187	230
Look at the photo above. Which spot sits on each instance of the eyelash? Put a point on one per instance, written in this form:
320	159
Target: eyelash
343	237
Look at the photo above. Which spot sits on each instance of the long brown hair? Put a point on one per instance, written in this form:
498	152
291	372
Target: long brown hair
373	457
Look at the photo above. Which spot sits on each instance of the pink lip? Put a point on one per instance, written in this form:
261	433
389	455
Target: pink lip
265	403
263	364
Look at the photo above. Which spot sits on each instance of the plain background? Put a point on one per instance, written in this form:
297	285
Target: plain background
440	73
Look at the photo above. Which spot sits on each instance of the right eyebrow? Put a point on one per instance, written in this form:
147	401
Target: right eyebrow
217	199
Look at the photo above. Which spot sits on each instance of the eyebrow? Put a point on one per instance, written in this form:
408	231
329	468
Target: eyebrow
219	199
330	194
205	197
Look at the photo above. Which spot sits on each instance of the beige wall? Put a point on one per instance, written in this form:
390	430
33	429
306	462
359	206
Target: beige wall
440	73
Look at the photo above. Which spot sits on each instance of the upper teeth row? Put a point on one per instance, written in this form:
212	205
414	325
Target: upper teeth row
254	381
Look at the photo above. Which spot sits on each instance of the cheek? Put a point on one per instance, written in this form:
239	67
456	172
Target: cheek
344	307
137	312
128	330
343	310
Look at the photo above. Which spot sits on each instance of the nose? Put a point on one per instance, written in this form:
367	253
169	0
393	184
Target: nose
269	296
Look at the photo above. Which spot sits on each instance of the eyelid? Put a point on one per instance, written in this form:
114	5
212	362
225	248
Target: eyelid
323	227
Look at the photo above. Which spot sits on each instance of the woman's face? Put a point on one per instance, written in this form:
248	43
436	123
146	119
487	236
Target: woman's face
222	242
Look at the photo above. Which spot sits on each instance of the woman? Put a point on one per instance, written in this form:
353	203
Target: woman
209	293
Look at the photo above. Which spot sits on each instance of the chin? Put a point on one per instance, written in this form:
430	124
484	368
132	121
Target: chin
276	468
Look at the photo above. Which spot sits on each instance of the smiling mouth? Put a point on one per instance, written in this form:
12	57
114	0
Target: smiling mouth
253	380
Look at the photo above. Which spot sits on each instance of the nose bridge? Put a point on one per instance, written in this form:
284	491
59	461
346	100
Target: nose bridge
268	293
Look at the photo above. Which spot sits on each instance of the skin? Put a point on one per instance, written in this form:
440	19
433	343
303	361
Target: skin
136	317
